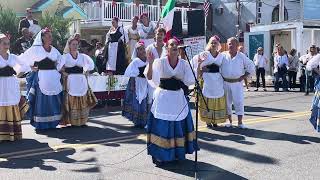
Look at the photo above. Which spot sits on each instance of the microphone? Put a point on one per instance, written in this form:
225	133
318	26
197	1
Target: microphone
183	46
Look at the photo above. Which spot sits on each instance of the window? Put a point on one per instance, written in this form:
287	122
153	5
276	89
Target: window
275	14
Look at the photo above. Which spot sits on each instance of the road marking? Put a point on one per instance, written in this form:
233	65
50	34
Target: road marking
95	143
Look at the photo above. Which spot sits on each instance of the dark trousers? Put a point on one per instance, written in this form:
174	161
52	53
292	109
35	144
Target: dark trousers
281	74
262	72
292	78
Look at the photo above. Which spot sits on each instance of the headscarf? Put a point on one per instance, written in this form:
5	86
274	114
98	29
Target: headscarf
134	53
38	40
67	48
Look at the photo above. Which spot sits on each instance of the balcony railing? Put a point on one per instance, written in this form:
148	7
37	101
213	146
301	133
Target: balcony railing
106	10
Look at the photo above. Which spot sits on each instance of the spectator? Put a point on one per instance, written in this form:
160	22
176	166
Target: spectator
260	62
23	43
280	69
27	21
293	64
306	79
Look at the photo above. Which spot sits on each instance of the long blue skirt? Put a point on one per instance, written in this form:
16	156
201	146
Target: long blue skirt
170	140
44	111
132	110
314	119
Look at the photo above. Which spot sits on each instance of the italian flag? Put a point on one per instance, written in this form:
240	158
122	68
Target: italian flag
167	17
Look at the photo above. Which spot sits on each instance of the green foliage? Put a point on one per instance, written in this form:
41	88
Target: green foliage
9	22
60	29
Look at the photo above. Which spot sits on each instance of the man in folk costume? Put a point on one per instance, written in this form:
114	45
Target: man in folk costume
170	129
135	107
235	67
207	67
154	51
44	89
11	113
115	53
133	34
78	98
146	29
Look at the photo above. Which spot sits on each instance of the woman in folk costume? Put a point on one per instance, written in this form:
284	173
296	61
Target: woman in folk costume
44	89
207	67
11	113
170	128
78	98
146	29
313	65
154	51
115	54
133	34
135	106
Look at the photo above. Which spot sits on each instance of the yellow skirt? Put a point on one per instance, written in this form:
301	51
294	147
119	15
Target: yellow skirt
76	109
10	122
217	109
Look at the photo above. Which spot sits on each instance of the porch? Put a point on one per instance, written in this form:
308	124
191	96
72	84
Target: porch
100	14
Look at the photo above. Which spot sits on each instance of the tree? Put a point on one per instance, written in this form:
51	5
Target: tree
9	23
60	29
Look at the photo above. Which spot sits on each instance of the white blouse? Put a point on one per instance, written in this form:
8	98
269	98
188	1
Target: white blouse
10	89
237	66
260	61
170	105
77	84
212	82
49	80
141	84
144	31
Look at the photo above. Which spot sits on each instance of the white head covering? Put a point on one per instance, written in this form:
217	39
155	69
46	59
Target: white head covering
67	48
134	53
2	35
38	40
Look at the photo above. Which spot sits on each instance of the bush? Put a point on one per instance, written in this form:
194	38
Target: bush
9	22
60	29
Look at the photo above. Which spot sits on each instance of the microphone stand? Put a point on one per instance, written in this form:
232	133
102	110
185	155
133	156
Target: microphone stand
197	91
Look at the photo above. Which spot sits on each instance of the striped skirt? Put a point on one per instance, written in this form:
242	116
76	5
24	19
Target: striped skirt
132	110
170	140
45	111
10	122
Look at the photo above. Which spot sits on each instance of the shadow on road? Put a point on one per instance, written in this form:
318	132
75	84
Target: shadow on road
271	135
264	109
19	155
205	170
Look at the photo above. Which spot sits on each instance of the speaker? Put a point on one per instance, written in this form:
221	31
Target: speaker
177	24
195	23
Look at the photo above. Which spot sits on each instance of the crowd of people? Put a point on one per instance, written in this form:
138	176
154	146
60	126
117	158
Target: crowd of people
157	92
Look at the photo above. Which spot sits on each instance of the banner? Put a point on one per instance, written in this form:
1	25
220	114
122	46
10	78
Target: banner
196	44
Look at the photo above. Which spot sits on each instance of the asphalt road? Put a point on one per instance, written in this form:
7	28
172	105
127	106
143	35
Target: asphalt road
279	144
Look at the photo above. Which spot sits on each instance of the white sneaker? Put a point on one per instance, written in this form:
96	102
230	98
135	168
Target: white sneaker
242	126
228	125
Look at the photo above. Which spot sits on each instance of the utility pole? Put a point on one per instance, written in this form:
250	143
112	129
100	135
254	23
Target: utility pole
281	10
238	18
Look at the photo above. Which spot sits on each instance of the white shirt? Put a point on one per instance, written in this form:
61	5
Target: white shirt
30	22
141	84
234	68
212	82
152	48
260	61
49	80
144	31
280	61
9	86
77	84
170	105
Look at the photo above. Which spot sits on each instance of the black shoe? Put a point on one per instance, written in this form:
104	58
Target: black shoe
256	89
209	125
215	125
157	162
